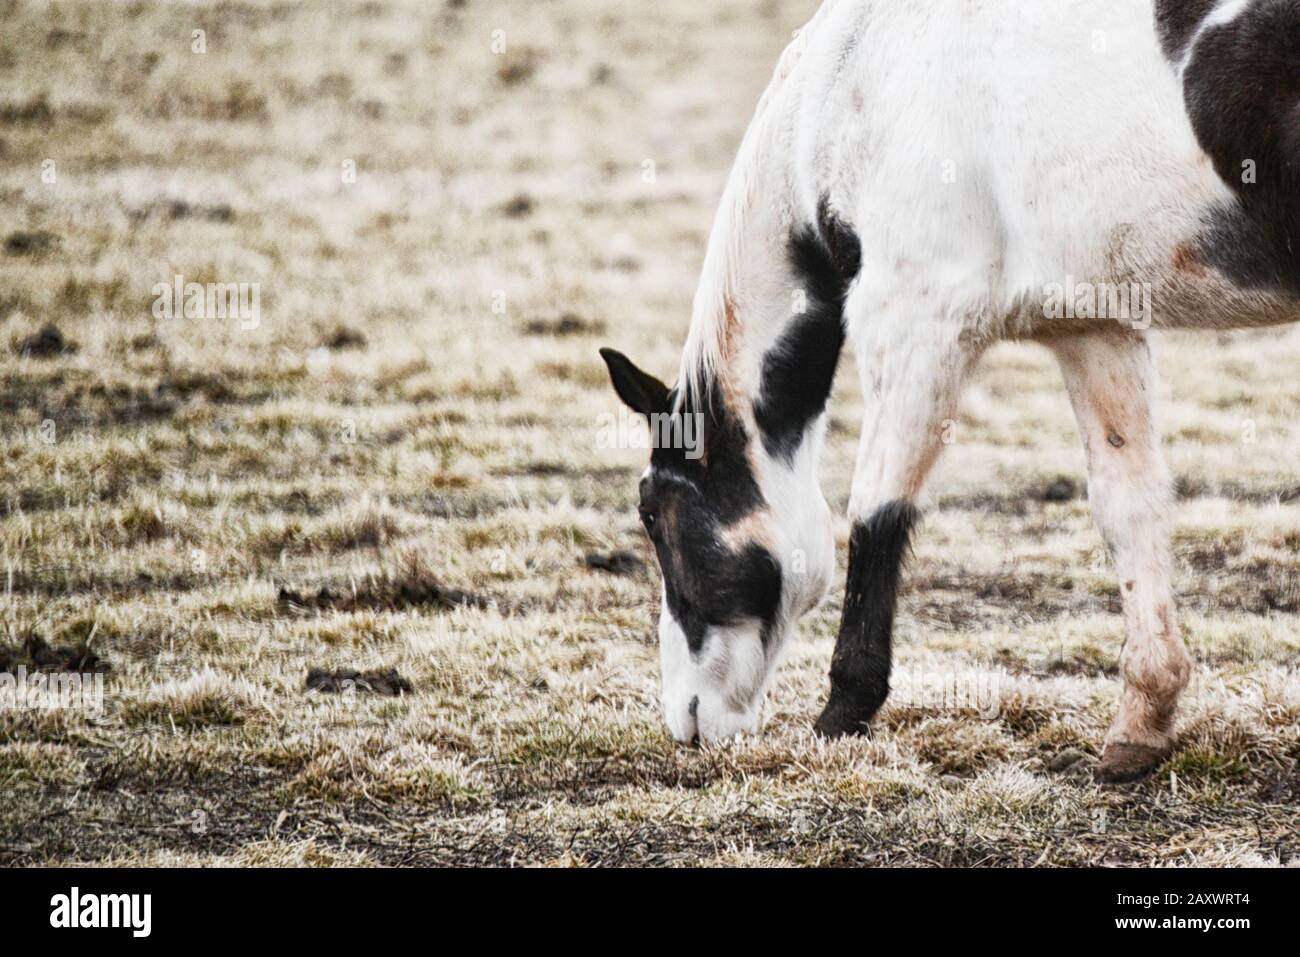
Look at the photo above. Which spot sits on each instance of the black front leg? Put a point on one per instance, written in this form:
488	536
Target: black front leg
860	665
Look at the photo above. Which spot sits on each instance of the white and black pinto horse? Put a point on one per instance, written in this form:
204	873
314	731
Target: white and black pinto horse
917	174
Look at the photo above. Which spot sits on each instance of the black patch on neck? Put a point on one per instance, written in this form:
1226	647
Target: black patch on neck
693	500
1242	90
799	370
863	651
1176	23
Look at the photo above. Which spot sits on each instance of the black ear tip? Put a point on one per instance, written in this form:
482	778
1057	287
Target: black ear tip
640	391
617	363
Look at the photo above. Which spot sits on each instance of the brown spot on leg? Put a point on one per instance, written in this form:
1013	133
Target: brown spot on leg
1115	439
1166	621
1124	763
1186	259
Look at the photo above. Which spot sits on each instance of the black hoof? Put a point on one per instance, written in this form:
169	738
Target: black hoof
843	716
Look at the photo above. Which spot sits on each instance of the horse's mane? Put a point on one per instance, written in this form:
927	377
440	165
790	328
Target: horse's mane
711	313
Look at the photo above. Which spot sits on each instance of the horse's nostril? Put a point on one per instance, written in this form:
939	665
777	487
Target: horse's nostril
694	709
695	740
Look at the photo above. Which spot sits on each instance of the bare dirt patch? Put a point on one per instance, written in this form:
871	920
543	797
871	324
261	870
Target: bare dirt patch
345	681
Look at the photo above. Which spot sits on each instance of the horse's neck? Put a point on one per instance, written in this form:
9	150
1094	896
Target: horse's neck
777	334
745	277
747	293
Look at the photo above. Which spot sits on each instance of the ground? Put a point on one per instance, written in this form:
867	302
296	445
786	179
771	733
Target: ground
399	463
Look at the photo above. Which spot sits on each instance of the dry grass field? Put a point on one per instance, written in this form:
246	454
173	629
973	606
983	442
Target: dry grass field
397	466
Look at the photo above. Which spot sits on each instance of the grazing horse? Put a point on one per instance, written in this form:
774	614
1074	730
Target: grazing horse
923	178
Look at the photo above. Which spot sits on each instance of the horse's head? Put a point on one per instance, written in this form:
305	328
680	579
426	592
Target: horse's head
745	548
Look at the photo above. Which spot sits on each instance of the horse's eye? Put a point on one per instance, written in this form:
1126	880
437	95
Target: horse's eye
648	519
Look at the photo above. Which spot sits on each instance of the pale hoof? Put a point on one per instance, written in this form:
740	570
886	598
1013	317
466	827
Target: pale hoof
1125	763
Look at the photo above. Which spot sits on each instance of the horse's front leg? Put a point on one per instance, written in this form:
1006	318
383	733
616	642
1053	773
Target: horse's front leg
912	370
1111	380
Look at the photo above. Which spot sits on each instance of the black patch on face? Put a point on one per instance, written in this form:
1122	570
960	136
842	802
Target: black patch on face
706	584
861	663
685	505
799	369
1176	22
1242	91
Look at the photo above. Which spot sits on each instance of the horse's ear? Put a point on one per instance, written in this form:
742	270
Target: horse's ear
641	391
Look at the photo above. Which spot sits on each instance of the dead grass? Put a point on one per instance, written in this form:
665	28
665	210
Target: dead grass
399	468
